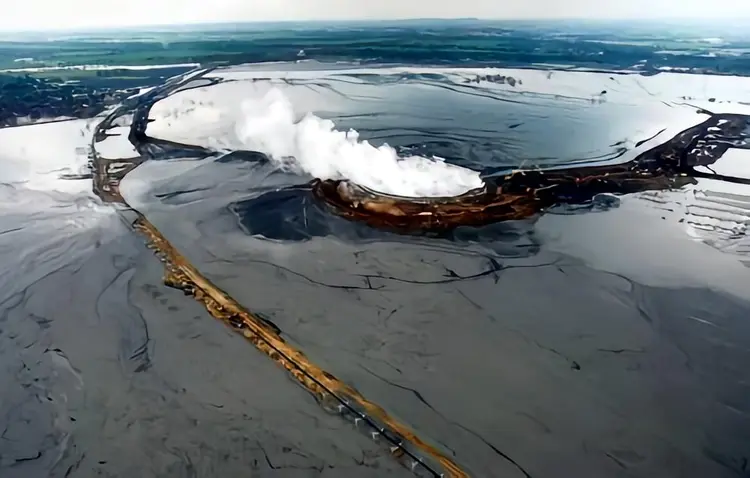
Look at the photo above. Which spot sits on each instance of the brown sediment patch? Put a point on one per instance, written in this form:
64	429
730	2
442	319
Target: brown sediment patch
474	208
516	196
107	175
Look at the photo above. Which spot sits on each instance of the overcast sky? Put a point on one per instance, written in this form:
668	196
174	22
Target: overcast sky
66	14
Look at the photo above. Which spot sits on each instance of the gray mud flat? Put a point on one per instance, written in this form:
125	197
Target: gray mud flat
605	343
106	372
532	358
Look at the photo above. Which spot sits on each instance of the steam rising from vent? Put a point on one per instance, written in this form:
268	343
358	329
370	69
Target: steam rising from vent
313	146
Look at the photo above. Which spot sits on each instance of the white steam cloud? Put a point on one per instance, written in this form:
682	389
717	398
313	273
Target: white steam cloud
313	146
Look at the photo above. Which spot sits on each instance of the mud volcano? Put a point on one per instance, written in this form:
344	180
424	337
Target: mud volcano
525	193
522	194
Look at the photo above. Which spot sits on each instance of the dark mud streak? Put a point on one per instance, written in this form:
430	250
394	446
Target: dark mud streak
622	351
179	193
368	286
423	400
451	276
643	141
573	364
30	458
40	279
541	424
473	303
97	301
414	392
617	461
402	387
496	450
75	466
15	229
721	177
141	354
635	295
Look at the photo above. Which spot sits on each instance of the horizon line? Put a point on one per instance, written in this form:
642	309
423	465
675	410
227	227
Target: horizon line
687	21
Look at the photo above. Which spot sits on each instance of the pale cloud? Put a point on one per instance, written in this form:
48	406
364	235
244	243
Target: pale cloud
65	14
